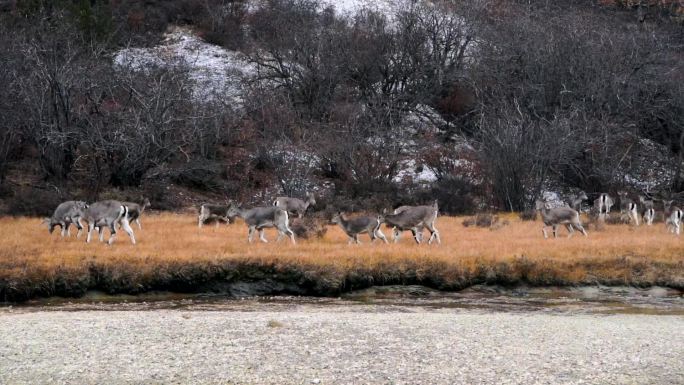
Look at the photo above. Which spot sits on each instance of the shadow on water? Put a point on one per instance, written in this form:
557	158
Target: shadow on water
558	300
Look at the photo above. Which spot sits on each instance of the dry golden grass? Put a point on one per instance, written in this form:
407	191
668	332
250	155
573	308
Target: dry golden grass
172	251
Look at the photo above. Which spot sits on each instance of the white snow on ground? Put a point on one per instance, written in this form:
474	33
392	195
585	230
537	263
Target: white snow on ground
218	73
411	172
423	118
351	7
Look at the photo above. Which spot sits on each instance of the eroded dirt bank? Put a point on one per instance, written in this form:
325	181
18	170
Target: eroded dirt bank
245	277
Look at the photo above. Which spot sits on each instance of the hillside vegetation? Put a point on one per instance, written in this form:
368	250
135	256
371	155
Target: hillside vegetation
479	104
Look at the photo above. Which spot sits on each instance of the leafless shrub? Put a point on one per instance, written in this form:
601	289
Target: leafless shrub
491	221
595	221
309	227
224	23
617	219
9	126
528	215
485	220
498	225
520	152
571	65
35	201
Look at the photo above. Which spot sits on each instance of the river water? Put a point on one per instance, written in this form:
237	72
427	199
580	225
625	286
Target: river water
552	300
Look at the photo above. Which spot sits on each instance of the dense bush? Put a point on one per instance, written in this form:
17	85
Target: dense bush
36	201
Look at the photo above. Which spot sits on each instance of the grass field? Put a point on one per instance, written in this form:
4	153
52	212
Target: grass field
172	252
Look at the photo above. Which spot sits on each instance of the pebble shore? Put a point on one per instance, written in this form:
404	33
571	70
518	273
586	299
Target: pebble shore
346	346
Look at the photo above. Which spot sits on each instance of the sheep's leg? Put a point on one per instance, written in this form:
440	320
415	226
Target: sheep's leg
91	227
127	228
101	231
79	226
635	215
581	228
262	238
379	234
137	220
286	229
546	236
418	239
112	236
571	231
250	233
434	234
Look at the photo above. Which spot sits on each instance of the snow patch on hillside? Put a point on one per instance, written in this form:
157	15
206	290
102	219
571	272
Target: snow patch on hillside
351	7
411	172
218	73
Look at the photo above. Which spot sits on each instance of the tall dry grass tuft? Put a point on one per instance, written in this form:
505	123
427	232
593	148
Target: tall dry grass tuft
173	254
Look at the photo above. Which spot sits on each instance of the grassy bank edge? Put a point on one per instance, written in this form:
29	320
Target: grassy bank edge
300	278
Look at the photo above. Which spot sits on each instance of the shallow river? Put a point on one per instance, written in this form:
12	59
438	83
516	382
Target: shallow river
576	300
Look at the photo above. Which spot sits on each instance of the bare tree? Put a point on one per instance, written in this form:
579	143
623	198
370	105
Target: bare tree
11	122
49	88
522	153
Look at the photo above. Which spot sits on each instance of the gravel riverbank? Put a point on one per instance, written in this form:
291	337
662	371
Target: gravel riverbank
353	345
